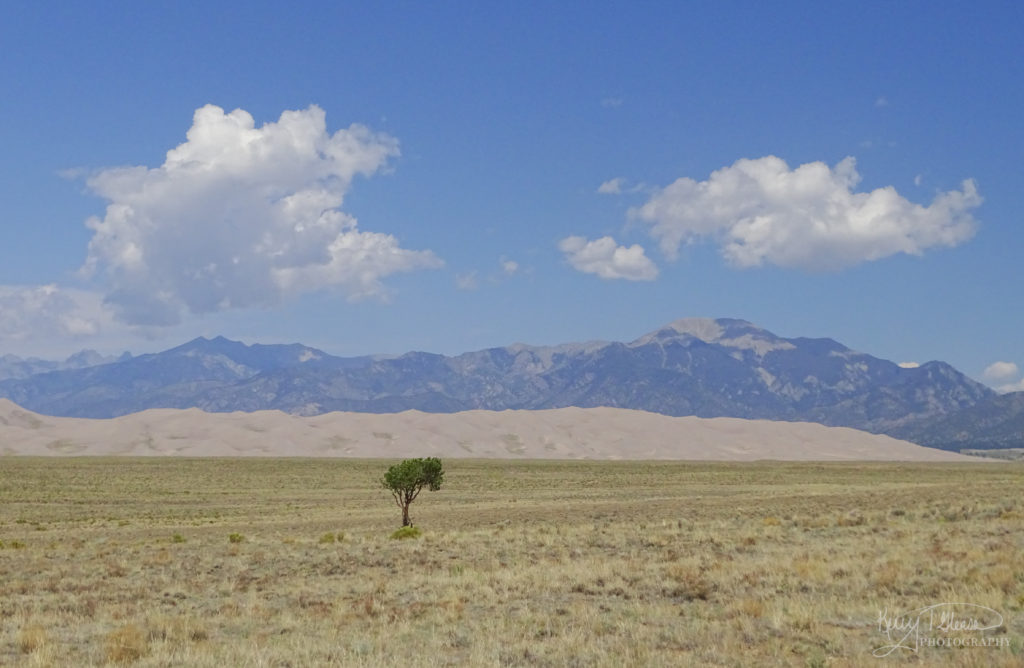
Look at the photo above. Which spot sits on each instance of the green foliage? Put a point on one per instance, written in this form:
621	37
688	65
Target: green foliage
406	533
817	660
236	537
327	538
405	481
177	538
415	474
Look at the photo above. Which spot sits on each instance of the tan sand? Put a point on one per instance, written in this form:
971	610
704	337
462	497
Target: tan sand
564	433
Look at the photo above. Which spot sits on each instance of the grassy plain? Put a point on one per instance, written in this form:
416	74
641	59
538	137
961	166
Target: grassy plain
255	562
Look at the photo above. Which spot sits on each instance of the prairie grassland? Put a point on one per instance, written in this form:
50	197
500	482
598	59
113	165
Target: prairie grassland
253	562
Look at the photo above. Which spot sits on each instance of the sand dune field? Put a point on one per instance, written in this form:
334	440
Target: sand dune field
565	433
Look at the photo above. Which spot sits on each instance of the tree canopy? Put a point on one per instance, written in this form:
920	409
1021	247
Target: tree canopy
405	481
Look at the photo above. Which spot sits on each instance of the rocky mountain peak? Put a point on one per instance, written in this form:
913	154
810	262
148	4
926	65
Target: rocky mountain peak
727	332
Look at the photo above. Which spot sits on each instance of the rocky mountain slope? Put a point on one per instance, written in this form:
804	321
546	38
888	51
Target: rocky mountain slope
994	422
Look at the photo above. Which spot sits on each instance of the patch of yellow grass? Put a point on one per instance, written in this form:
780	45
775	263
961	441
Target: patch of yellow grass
31	638
126	644
519	563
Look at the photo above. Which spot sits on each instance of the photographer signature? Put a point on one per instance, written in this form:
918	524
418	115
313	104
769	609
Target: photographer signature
905	631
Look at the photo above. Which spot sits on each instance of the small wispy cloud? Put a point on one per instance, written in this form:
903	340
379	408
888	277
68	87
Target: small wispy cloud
611	186
32	311
620	186
881	101
467	281
605	258
612	102
1011	387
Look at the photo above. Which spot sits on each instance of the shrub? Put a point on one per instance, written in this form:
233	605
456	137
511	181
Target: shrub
31	638
235	537
126	644
851	519
406	532
177	538
689	584
327	538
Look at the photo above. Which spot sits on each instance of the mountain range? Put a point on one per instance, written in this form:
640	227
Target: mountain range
15	367
699	367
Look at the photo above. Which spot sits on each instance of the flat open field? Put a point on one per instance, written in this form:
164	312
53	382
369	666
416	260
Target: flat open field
108	560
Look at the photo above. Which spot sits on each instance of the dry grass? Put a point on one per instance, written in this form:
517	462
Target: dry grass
519	564
126	644
31	638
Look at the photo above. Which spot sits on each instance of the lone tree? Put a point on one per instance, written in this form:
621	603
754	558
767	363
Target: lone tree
406	480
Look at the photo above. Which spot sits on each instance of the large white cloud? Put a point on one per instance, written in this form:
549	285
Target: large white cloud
241	216
607	259
29	313
761	211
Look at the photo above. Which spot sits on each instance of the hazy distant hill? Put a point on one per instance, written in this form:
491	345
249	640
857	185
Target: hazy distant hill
175	378
701	367
12	366
995	422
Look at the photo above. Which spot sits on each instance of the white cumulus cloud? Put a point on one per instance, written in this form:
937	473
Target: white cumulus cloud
510	267
240	216
1001	376
1000	371
607	259
34	312
760	211
908	365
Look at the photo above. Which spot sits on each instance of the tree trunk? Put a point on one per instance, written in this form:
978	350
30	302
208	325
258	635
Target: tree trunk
405	516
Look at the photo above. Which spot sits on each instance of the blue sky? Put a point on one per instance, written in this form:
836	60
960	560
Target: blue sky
517	172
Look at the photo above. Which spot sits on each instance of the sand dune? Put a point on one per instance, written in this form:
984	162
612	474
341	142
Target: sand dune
565	433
